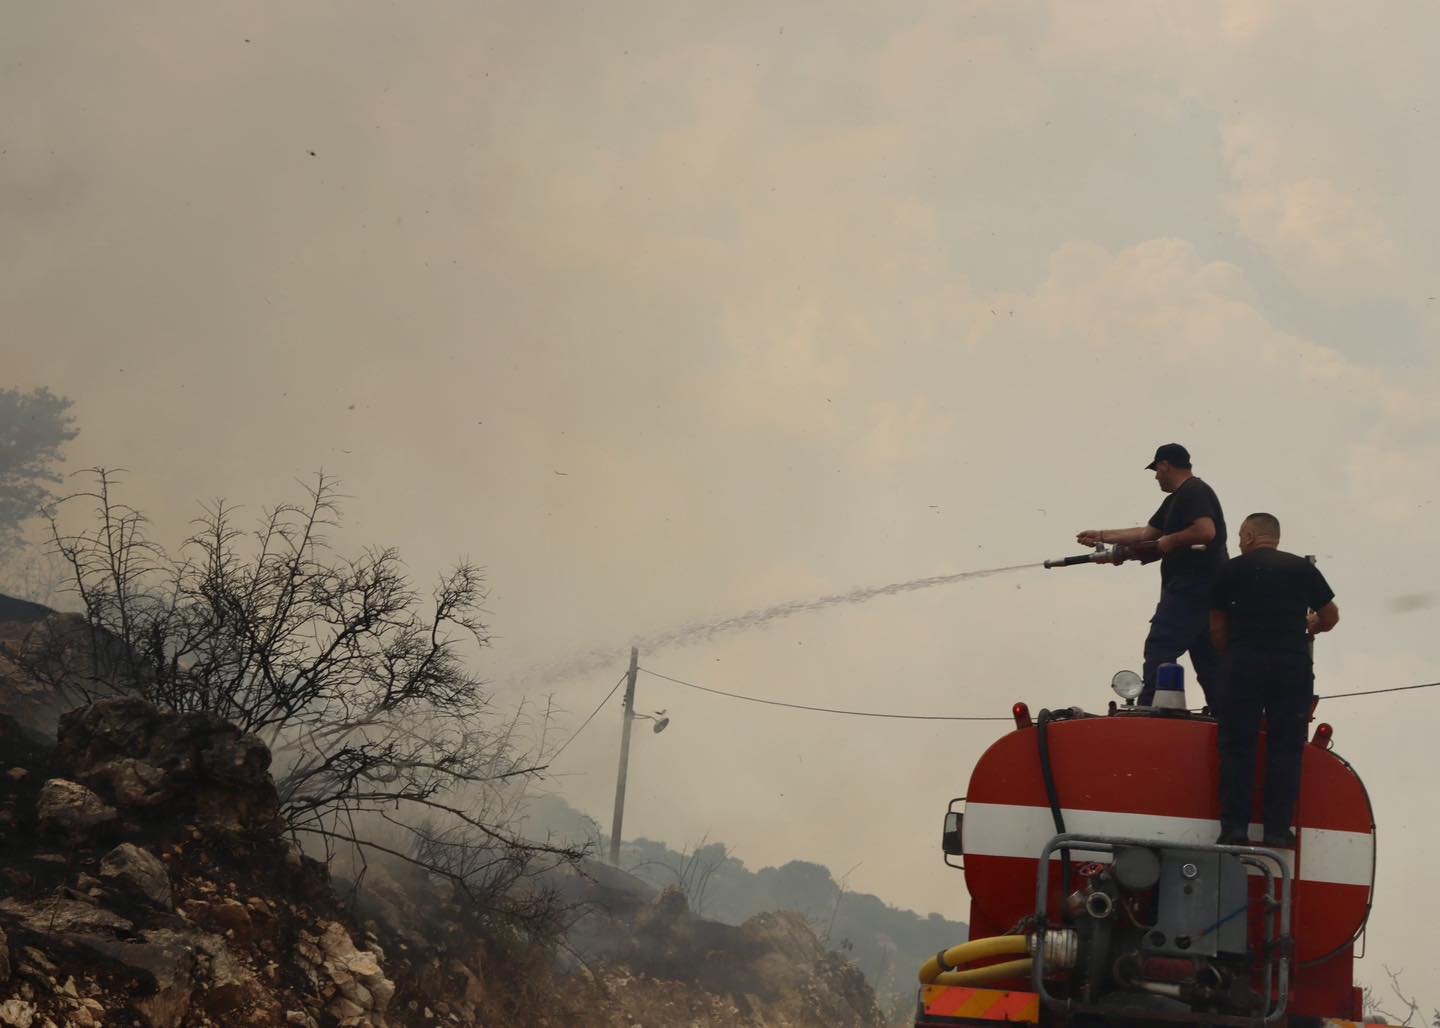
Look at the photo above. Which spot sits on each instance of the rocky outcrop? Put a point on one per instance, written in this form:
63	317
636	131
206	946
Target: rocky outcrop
192	916
177	968
774	961
361	992
669	965
196	764
49	663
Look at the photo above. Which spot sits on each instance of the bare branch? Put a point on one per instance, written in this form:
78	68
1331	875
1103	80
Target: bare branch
355	679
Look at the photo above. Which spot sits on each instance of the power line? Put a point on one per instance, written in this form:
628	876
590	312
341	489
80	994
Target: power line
945	717
822	710
588	719
1373	692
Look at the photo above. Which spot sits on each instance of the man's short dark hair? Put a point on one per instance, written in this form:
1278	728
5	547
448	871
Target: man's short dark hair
1267	525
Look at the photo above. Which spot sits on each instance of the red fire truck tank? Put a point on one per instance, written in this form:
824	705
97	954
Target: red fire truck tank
1089	850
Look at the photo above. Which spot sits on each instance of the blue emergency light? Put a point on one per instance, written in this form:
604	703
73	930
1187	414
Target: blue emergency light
1170	686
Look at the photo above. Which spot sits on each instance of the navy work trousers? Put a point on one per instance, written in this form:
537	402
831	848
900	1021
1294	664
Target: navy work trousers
1182	625
1278	685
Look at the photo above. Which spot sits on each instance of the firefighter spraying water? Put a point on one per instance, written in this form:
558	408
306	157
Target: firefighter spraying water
1188	536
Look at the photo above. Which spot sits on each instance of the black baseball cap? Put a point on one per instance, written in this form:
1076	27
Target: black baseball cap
1174	453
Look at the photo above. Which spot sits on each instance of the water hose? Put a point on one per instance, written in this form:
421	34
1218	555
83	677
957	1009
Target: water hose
945	963
1047	774
988	975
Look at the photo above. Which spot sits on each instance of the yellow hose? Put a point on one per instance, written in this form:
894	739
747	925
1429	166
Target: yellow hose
970	952
986	975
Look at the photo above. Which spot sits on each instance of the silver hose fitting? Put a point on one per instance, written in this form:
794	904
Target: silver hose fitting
1062	947
1099	905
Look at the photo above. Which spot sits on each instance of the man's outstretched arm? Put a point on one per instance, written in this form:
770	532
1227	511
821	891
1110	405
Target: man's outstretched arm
1123	536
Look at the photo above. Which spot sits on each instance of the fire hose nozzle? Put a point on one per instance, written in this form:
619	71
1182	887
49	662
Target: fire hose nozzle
1099	556
1144	552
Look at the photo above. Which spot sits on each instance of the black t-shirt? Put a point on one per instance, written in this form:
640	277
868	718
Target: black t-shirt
1266	593
1185	567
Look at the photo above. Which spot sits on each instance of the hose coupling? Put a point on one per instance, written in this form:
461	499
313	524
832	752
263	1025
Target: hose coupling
1062	947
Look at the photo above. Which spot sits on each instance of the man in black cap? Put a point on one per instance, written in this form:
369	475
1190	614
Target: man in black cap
1267	606
1189	529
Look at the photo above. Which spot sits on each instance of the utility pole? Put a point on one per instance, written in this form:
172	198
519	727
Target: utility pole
619	819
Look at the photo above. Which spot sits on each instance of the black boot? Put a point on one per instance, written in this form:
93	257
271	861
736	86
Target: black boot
1280	838
1232	836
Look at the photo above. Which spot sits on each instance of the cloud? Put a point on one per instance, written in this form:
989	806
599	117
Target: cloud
1392	483
1193	40
1318	169
958	71
1329	239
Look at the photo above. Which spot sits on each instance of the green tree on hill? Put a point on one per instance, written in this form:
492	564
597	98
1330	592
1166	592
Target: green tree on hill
34	426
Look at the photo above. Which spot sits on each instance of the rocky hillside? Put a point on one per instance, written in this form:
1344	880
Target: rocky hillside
146	879
771	970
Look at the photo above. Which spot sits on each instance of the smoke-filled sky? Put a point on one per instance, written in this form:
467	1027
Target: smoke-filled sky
663	312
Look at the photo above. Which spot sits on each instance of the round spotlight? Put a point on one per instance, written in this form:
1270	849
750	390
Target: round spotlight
1127	685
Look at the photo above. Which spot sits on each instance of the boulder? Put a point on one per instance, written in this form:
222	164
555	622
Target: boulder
69	807
48	918
134	783
16	1013
227	917
233	758
137	874
231	986
164	961
346	1011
